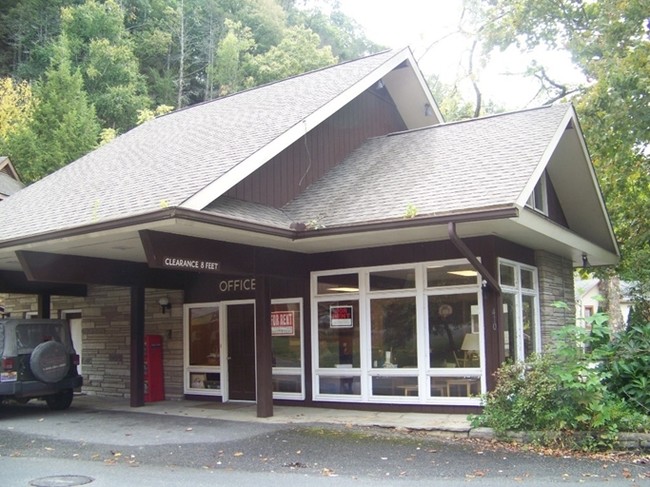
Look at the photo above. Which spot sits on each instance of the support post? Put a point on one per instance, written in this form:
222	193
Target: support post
44	304
263	340
137	346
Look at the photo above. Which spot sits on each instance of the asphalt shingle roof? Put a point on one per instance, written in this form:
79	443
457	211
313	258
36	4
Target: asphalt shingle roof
451	168
167	160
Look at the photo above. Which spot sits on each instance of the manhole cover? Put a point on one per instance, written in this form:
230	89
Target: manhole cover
61	481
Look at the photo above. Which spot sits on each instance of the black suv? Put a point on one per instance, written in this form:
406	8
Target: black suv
38	360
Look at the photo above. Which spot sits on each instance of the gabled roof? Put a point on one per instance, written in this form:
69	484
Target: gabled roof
441	170
190	157
479	166
172	174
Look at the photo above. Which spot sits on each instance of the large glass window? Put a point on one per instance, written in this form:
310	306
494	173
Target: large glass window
203	349
400	334
204	336
442	275
452	340
338	334
520	309
286	321
393	332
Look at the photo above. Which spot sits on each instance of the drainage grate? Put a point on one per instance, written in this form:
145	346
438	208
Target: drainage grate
62	481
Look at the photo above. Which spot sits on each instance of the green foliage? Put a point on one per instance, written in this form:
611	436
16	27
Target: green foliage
132	55
628	363
100	44
63	126
609	41
298	52
232	60
567	389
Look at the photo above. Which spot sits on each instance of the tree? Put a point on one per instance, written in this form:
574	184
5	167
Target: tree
63	126
232	60
343	34
16	107
101	47
298	52
27	30
609	42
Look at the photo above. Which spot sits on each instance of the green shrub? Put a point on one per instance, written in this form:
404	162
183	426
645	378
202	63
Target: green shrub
569	389
628	364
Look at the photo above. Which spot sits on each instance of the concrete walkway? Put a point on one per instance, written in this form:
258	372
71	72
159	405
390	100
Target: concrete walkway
448	424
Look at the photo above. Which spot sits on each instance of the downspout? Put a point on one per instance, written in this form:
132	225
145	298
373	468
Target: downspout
497	310
467	253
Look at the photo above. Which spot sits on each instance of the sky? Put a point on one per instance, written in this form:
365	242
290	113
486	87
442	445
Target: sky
421	23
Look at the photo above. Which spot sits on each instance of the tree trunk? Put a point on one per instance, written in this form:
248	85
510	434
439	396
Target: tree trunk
181	62
611	292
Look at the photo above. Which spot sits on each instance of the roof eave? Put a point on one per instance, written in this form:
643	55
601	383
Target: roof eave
168	214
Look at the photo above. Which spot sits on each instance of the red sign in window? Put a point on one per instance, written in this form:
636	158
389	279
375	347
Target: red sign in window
341	317
283	323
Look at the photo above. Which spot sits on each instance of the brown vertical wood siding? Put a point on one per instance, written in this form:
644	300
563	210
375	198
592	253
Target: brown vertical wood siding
371	114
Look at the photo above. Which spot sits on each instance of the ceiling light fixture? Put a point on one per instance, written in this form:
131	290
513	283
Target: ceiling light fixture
464	273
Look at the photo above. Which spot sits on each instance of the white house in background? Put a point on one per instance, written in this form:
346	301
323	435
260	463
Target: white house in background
588	299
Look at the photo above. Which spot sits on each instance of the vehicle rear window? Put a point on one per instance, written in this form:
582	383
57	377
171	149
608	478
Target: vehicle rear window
30	335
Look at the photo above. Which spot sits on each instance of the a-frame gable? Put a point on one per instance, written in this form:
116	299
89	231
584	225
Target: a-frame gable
373	113
574	184
399	68
10	181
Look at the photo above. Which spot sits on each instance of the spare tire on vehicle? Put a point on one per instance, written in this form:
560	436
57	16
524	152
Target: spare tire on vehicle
50	362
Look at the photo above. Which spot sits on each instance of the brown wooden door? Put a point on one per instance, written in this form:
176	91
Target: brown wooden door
241	351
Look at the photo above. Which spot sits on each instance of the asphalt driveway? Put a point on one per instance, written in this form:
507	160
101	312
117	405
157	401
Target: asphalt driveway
123	448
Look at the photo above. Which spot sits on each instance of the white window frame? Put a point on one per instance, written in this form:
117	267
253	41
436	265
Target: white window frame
293	371
539	205
365	372
222	369
518	291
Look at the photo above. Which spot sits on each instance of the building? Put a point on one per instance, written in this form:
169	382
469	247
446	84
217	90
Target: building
9	180
323	240
588	294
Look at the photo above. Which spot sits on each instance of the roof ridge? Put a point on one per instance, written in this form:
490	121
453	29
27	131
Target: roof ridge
271	83
483	117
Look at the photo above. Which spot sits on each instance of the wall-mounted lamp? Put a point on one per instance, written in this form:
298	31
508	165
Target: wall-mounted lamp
380	84
585	261
165	304
428	110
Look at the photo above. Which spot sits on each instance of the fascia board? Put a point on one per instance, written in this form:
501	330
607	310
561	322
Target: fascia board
425	88
551	230
544	160
594	178
256	160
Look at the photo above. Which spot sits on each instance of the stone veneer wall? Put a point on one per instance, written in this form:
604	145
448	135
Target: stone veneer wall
555	284
106	337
